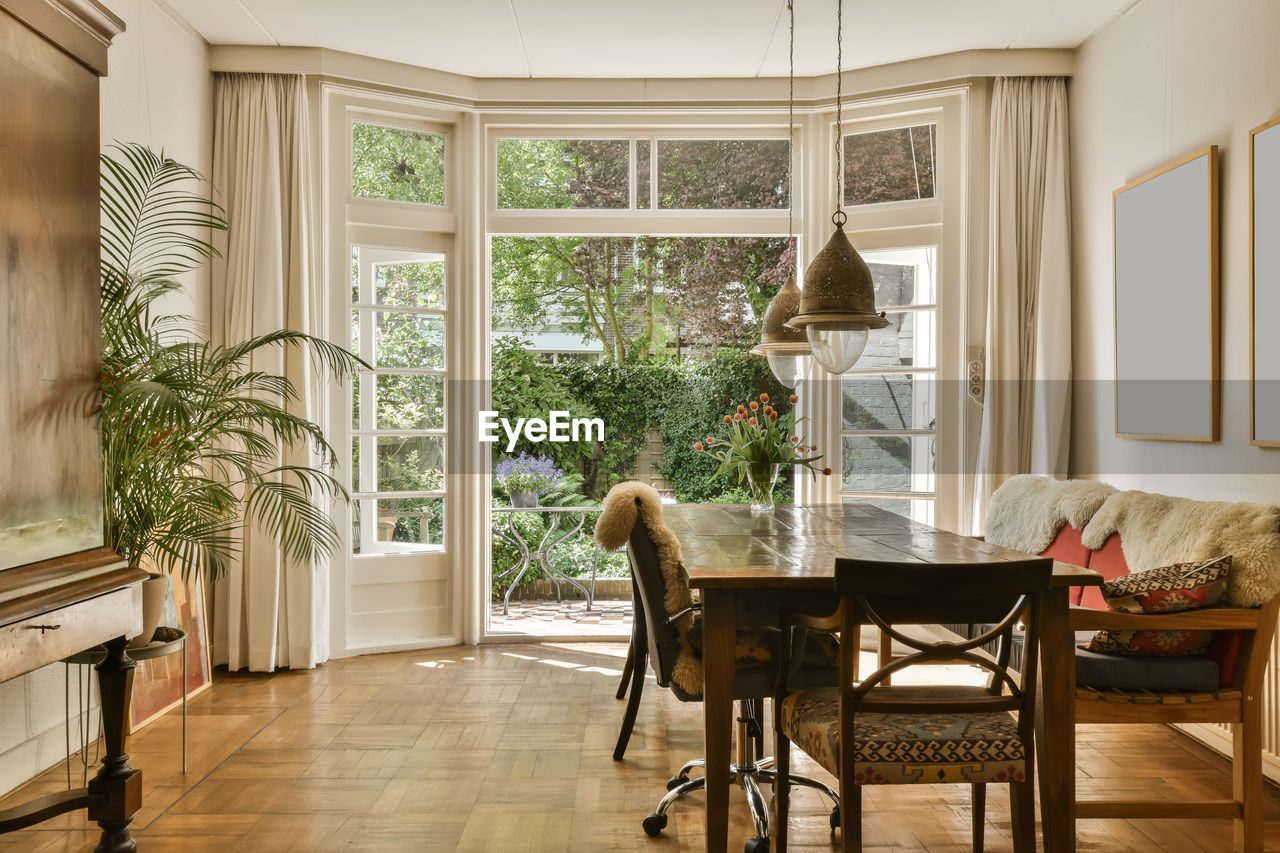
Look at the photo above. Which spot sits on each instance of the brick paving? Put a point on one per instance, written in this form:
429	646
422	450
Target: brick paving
605	618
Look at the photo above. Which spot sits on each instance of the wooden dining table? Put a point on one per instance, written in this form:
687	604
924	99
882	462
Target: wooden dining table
749	566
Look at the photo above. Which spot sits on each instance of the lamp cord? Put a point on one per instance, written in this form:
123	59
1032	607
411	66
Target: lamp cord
839	217
791	132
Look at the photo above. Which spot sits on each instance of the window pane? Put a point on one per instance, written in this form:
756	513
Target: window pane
551	174
403	401
723	174
413	464
629	297
397	525
908	341
888	401
401	339
887	464
396	164
416	284
890	165
903	276
643	167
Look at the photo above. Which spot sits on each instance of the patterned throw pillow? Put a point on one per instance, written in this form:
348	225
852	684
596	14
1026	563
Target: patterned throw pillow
1169	589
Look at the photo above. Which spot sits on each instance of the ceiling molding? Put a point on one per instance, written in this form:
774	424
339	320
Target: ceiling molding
517	92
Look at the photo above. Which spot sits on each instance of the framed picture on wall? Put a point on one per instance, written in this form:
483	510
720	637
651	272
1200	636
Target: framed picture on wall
1264	300
157	682
1166	302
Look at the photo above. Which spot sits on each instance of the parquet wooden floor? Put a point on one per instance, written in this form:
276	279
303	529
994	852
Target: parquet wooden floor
507	748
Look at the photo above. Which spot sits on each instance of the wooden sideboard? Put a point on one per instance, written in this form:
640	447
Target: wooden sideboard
61	591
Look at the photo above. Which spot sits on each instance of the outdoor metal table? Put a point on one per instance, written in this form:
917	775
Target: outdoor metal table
509	533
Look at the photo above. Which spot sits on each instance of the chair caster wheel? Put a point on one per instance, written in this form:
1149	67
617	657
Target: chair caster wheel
676	781
757	845
834	819
654	824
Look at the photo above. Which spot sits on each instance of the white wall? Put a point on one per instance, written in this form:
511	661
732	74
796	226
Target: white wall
1168	78
159	91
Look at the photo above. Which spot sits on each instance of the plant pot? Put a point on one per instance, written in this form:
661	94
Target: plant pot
521	498
761	478
154	591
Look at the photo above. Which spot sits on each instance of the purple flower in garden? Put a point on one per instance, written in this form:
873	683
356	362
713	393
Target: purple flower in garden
526	473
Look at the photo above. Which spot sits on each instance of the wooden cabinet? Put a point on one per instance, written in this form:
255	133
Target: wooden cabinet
61	591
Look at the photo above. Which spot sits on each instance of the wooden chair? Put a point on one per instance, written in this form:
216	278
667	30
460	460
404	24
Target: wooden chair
871	733
633	673
1239	704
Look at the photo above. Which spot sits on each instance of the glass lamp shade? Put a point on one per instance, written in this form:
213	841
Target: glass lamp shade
788	368
837	349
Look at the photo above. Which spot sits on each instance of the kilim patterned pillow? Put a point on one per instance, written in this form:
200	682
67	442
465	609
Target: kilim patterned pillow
1169	589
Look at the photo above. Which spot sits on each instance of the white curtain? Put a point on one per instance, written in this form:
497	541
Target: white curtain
270	611
1026	413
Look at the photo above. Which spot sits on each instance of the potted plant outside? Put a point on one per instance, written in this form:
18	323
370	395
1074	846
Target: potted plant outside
526	477
191	432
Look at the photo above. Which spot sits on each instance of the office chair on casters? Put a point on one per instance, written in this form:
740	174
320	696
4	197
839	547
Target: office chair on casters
667	636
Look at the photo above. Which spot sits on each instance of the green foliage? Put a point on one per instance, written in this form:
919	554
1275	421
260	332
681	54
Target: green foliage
192	436
396	164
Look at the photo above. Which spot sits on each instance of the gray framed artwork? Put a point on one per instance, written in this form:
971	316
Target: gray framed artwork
1166	302
1264	300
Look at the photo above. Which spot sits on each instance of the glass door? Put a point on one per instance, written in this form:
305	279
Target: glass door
401	575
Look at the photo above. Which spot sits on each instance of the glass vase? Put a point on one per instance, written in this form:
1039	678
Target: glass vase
761	478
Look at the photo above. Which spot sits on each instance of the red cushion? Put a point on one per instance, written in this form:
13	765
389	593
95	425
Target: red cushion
1225	651
1067	548
1109	562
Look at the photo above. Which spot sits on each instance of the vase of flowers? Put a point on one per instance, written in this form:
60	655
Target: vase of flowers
760	440
525	477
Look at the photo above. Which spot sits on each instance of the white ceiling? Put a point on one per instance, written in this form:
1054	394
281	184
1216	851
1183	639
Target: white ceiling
648	38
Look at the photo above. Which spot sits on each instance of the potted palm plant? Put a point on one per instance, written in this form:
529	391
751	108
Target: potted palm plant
191	433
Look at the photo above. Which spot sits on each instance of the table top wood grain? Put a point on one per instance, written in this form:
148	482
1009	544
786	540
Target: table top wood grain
728	546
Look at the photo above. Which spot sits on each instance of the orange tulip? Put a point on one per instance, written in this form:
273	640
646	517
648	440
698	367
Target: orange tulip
741	409
794	399
738	417
711	439
827	471
764	398
772	415
728	419
751	421
794	439
697	445
754	405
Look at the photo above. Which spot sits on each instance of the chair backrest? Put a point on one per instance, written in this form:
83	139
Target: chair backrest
894	594
663	639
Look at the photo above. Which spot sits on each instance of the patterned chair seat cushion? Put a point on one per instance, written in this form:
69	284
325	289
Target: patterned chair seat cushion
907	748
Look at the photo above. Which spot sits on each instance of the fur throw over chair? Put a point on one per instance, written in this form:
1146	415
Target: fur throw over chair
1027	511
613	530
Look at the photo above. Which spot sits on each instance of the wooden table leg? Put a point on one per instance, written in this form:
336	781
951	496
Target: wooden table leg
718	627
1055	725
116	792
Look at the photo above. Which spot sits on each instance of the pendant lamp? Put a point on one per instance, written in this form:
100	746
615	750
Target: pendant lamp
787	349
838	306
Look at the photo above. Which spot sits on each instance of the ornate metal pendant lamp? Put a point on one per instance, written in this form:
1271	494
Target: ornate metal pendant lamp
838	306
787	349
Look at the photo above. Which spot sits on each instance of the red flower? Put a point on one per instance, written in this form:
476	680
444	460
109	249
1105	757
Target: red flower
754	405
738	417
794	439
827	471
741	409
697	445
728	419
764	398
772	414
794	399
751	421
711	439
